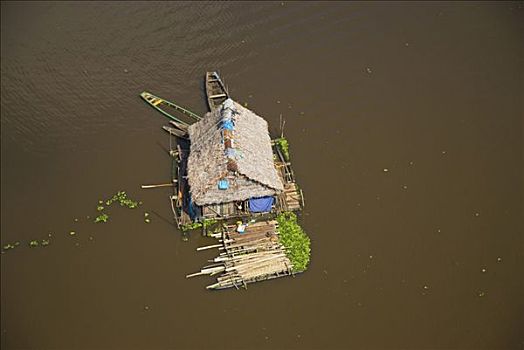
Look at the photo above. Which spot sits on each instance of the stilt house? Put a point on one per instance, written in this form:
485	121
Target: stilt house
231	168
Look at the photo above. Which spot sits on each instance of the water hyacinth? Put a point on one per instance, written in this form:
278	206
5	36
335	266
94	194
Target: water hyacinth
102	218
297	243
121	198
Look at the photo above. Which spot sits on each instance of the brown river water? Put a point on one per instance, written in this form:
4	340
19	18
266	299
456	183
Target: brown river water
406	128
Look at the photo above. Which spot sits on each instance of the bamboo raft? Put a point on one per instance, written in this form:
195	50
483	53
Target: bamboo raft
216	91
252	256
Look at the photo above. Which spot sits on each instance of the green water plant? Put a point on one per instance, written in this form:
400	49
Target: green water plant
209	222
283	144
191	226
122	199
102	218
9	246
295	240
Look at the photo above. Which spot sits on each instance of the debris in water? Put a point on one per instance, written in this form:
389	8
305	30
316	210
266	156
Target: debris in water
411	163
33	244
146	308
499	259
72	233
147	220
481	294
483	270
385	170
405	187
368	70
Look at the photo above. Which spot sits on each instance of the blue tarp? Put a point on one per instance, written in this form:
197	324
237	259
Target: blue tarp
193	209
228	125
260	205
223	184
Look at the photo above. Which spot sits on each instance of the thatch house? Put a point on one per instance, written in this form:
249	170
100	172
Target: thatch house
231	165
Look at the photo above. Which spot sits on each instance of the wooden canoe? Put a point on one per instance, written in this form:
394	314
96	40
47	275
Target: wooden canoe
163	106
179	126
175	132
216	91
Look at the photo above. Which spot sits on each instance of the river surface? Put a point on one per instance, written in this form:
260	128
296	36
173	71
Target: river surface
406	128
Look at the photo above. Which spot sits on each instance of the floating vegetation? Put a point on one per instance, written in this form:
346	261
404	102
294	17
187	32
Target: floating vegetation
191	226
102	218
297	243
209	222
284	147
9	246
121	198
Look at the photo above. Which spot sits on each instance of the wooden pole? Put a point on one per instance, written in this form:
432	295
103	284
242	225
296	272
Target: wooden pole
159	185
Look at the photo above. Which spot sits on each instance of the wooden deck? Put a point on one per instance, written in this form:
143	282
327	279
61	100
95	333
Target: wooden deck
248	257
292	198
180	194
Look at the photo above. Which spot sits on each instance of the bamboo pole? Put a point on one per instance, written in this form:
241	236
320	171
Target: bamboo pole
159	185
209	247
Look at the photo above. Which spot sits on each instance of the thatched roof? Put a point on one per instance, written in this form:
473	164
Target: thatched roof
250	157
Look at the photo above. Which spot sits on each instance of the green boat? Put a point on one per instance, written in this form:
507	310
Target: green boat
163	106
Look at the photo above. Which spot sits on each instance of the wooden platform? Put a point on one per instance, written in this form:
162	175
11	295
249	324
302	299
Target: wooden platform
292	198
252	256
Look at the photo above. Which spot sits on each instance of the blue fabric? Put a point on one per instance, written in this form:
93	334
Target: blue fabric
223	184
228	125
260	205
192	209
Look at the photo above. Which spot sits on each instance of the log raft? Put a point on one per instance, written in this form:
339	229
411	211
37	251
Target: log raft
248	257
